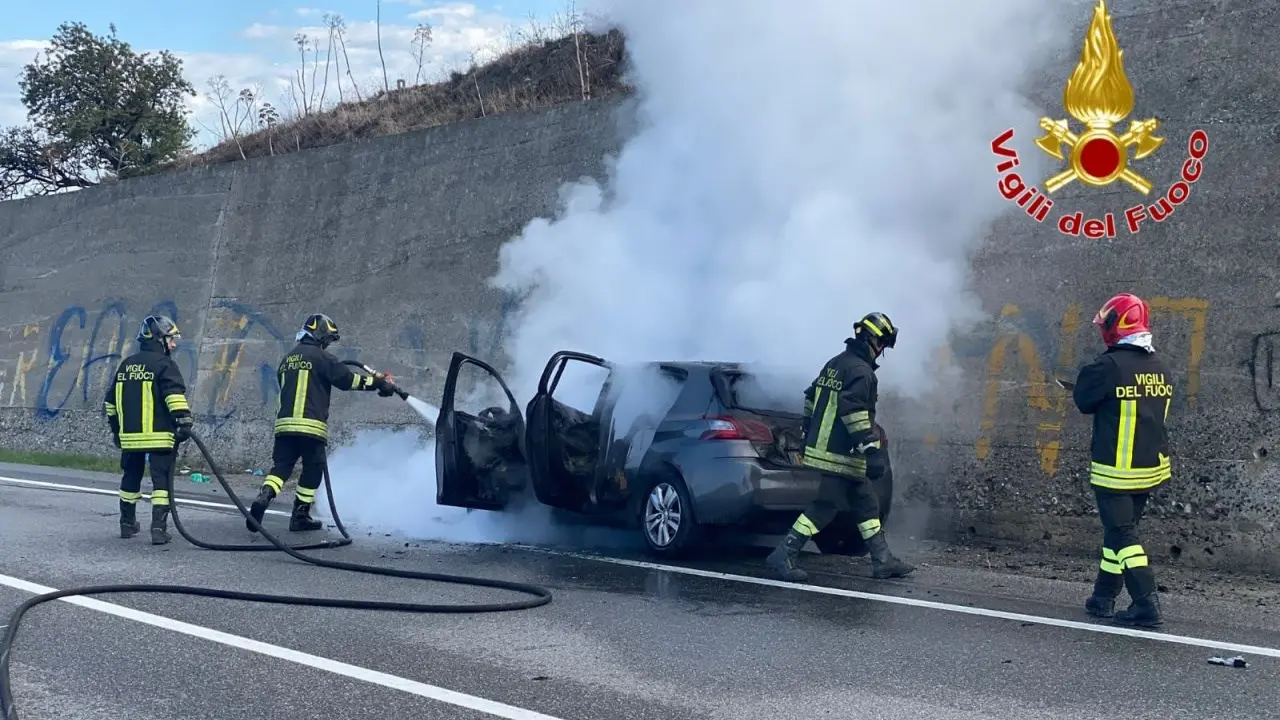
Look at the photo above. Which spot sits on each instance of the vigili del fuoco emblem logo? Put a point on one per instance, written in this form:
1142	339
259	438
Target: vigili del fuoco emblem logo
1098	96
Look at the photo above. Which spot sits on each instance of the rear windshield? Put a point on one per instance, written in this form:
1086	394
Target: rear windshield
768	393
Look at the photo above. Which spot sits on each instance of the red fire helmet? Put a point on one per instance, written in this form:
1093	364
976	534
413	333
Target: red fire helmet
1123	315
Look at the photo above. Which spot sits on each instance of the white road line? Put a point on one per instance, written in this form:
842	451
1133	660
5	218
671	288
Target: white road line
116	493
896	600
354	672
840	592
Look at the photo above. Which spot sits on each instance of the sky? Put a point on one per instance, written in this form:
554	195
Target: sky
250	42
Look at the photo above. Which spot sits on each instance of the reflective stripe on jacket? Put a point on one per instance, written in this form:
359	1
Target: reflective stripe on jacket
307	376
839	409
1128	390
147	393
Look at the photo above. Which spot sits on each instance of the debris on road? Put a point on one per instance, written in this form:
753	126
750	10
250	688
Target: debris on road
1237	661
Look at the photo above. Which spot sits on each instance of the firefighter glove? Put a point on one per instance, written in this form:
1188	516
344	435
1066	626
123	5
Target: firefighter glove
384	384
182	431
875	467
869	447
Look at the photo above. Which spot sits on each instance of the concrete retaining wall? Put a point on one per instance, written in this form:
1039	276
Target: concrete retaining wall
394	237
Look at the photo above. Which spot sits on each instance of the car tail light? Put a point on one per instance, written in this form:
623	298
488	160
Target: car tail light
729	428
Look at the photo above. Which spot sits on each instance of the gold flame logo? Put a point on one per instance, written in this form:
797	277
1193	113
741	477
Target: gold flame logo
1098	95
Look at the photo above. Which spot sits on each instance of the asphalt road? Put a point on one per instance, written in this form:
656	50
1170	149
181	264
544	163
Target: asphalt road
618	641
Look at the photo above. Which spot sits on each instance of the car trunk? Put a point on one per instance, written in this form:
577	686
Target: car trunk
746	399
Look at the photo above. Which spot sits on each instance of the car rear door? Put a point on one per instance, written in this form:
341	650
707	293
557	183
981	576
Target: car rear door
637	405
552	484
481	461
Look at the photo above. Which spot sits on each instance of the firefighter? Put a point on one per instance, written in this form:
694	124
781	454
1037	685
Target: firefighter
147	409
1127	389
840	440
307	376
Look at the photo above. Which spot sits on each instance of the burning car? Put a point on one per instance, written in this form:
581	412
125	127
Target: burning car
676	450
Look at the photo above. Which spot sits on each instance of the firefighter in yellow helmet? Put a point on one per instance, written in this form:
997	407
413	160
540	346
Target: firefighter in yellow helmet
307	376
147	409
839	438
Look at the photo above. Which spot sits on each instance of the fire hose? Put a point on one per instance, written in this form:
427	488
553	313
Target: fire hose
540	596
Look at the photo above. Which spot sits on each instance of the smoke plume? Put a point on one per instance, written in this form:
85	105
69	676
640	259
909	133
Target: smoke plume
798	164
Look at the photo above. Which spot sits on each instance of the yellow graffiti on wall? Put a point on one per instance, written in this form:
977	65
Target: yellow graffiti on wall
1049	398
228	361
25	364
1035	384
1196	311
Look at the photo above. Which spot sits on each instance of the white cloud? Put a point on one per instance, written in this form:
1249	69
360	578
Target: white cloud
258	31
461	33
452	10
14	54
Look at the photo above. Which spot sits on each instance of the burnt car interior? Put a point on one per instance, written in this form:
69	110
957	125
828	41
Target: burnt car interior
572	436
490	444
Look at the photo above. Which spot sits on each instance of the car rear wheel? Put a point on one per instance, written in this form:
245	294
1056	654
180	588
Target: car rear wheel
666	517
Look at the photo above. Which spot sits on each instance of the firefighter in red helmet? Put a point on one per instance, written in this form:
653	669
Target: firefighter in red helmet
1128	390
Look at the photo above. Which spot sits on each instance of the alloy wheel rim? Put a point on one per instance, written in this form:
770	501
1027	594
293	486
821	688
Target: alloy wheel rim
662	515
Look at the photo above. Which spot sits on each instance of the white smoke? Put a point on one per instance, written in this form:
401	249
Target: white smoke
385	482
799	165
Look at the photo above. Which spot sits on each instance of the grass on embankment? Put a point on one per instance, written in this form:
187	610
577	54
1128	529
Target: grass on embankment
62	460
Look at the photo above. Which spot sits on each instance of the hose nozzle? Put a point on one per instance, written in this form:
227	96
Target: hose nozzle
393	389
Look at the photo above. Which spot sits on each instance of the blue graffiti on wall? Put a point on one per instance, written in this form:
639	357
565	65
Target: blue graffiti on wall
111	333
100	349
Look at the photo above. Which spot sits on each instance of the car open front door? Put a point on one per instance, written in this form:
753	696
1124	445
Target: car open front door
564	432
480	458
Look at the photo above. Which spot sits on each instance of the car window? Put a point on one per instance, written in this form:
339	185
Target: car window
770	392
580	385
642	391
478	389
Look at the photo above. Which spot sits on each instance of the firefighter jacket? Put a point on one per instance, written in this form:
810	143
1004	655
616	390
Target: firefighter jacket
307	376
1128	391
146	396
839	413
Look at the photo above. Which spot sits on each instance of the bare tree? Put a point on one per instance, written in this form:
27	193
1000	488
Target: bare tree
269	118
386	86
232	114
579	52
474	70
341	32
315	68
328	55
300	75
421	38
336	25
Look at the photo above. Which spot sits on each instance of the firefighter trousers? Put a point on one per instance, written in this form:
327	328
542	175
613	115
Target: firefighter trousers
286	453
1124	561
841	493
134	463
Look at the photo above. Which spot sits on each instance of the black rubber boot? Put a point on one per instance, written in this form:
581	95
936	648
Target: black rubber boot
1145	609
129	525
883	563
1106	588
783	558
259	506
159	524
301	520
1143	612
